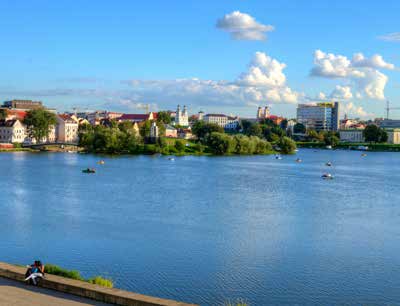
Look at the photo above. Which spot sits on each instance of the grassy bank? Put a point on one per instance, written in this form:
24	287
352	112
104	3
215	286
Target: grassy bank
73	274
378	147
18	150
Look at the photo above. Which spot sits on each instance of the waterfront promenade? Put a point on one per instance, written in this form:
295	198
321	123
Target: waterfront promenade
19	294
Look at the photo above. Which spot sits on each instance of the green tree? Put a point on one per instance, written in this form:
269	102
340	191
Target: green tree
383	137
3	114
299	128
284	124
164	117
254	130
314	136
39	123
202	129
287	145
220	143
373	133
145	128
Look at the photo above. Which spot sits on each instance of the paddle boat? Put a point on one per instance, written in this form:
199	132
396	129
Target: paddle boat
298	160
363	155
89	170
329	164
327	176
101	162
278	156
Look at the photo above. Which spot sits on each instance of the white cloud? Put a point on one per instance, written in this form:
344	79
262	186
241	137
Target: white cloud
263	82
330	65
243	26
394	37
360	72
341	93
375	61
358	111
373	85
264	71
321	96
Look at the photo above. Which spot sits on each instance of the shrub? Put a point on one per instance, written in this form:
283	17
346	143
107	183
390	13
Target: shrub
179	145
98	280
56	270
73	274
287	145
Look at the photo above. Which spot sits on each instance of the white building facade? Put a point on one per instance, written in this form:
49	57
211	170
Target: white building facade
67	129
182	117
224	121
13	131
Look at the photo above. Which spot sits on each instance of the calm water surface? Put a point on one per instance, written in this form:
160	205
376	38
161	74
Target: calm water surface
207	230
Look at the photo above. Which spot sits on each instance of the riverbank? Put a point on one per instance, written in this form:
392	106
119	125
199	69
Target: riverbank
87	290
376	147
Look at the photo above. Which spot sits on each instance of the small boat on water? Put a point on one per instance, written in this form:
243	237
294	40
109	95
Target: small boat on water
327	176
101	162
278	157
89	170
329	164
171	158
298	160
363	155
329	147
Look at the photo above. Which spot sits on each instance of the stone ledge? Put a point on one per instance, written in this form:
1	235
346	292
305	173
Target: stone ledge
91	291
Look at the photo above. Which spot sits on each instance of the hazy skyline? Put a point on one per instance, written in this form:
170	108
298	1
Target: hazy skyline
225	56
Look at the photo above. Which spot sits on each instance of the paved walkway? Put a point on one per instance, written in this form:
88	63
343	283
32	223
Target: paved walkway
13	293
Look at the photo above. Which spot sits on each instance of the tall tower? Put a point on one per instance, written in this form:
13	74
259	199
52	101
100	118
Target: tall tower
259	113
266	112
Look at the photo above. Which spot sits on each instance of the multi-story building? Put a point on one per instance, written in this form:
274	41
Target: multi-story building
23	104
13	131
319	116
351	135
227	122
182	117
393	136
388	123
137	117
67	129
170	131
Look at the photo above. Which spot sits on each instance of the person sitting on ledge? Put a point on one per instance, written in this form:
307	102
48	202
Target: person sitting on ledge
34	272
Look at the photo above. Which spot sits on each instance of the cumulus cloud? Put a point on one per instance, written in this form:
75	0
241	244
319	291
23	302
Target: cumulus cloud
375	61
354	110
243	26
264	71
341	93
361	72
264	81
394	37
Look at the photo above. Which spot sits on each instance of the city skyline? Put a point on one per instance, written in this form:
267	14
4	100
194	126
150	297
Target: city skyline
228	57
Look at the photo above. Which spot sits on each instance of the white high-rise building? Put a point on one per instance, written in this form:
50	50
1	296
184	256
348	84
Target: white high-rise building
182	117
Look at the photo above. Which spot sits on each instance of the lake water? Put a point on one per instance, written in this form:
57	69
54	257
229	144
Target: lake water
212	229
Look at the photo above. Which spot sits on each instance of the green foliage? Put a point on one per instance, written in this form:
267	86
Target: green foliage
39	123
179	145
73	274
287	145
98	280
254	130
299	128
220	143
3	114
56	270
373	133
102	139
313	135
202	129
164	117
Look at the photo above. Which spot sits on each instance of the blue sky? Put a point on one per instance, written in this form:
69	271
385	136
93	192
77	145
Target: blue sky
123	54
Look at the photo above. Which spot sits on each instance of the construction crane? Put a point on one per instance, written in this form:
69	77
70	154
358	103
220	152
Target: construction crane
388	109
